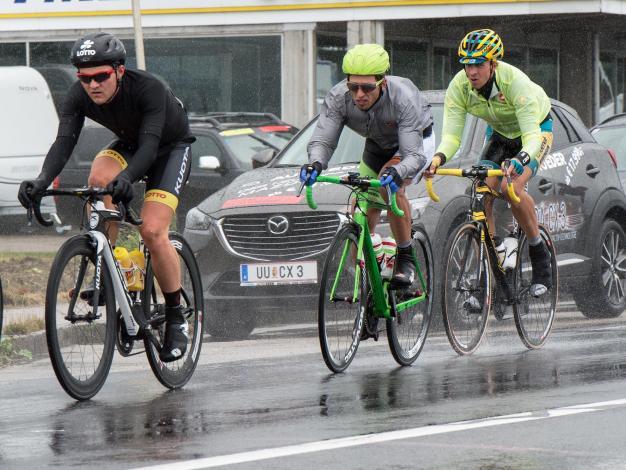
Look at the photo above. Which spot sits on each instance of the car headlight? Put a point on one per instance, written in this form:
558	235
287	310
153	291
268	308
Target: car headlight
197	220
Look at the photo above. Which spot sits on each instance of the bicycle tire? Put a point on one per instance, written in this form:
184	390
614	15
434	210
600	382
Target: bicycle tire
407	332
339	323
534	316
177	373
465	319
69	340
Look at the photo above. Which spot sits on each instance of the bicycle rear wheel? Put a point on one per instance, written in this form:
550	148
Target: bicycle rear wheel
175	374
407	331
466	293
342	301
80	345
534	316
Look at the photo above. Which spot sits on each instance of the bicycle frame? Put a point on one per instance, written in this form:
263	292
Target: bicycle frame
477	215
366	257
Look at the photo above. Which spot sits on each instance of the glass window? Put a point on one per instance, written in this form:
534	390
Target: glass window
220	74
445	66
410	60
330	51
205	145
244	147
560	134
13	53
543	69
42	53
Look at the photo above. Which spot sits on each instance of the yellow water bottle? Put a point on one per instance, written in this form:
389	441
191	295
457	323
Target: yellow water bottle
123	259
139	264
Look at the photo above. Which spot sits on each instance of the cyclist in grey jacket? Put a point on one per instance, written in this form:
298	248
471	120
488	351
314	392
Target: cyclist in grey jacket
396	121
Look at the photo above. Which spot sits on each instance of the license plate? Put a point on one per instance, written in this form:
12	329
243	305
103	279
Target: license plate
271	274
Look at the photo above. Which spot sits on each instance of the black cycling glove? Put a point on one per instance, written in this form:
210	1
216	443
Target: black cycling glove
121	189
29	189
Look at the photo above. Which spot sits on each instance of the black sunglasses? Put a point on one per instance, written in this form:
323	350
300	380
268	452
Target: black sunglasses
366	87
98	77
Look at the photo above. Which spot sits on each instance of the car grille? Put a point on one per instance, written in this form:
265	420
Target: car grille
307	235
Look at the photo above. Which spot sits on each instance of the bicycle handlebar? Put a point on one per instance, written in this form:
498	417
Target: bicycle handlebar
353	180
469	173
86	192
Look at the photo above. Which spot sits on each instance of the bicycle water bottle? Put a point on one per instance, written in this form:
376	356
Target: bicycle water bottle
389	250
123	259
377	243
139	265
507	252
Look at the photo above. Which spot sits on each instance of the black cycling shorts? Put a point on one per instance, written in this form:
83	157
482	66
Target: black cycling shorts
166	178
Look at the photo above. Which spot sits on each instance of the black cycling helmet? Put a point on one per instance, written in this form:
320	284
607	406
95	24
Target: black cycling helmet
98	49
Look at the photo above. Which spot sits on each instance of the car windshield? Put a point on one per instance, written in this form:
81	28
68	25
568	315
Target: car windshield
615	139
350	146
245	146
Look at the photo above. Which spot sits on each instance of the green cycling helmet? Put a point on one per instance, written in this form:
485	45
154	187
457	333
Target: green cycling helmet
366	59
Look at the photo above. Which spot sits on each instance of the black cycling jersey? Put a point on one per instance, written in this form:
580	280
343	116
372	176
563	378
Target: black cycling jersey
144	114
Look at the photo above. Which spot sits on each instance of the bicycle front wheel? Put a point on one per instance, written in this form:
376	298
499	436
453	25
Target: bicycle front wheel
466	290
175	374
80	343
407	331
342	301
534	316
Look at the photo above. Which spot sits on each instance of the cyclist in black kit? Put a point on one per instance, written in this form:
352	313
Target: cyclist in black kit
153	141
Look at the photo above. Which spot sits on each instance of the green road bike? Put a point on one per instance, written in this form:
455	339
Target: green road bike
475	280
354	296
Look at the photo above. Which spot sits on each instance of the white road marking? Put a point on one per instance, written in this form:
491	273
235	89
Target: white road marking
352	441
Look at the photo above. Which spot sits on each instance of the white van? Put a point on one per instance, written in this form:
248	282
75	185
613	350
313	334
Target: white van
28	127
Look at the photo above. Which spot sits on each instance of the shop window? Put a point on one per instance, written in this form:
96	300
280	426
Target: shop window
13	53
410	59
543	69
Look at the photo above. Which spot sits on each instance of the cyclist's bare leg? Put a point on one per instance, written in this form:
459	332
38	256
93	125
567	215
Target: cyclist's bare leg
103	171
400	226
154	231
524	212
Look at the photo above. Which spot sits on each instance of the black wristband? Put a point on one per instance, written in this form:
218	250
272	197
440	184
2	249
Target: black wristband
442	158
524	158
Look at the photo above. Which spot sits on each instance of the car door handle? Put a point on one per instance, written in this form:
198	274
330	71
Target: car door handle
592	170
544	185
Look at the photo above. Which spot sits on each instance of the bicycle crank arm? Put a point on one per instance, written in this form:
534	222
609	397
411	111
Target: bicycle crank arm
90	317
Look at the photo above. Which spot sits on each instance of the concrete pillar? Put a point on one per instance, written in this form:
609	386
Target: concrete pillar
366	32
299	61
576	70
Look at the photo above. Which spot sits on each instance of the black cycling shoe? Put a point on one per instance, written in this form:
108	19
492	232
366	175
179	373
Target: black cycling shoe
542	269
404	268
176	334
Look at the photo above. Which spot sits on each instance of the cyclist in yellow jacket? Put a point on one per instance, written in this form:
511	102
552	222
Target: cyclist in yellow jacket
517	112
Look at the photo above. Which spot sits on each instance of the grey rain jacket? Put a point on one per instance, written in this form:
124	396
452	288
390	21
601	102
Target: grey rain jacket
397	119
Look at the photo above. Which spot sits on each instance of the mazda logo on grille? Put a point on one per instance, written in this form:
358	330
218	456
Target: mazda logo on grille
278	224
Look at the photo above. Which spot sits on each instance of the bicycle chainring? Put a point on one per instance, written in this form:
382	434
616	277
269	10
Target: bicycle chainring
123	341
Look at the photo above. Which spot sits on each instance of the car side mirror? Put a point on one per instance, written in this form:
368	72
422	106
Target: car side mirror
263	157
208	162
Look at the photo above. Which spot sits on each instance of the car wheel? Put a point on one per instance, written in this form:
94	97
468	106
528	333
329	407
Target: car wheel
229	325
604	296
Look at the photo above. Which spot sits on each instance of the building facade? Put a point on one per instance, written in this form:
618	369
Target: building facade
281	56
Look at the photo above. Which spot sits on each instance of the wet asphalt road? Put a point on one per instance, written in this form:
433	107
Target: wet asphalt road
256	397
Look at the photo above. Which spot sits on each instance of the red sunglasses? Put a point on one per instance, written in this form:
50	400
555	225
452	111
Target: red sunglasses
99	77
